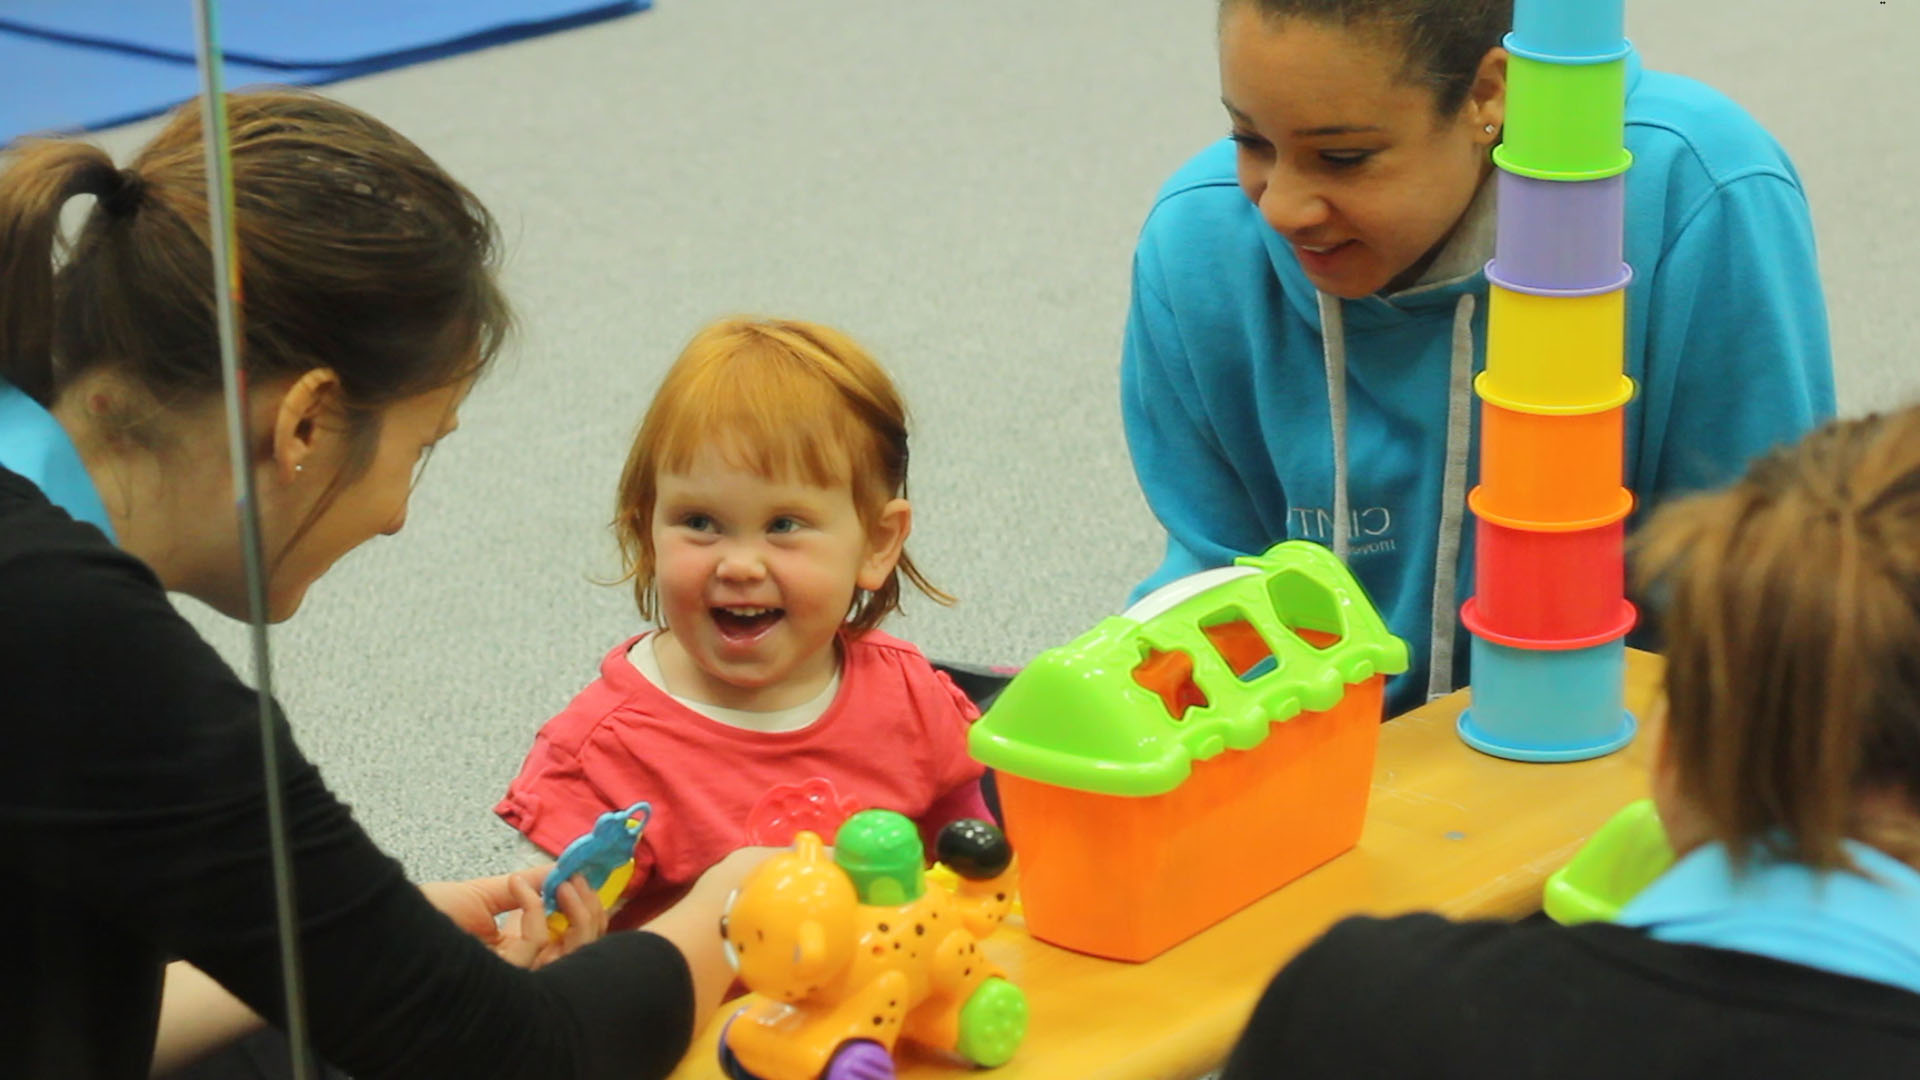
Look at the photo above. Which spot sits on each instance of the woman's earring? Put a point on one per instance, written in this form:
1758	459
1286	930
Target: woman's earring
299	468
1491	129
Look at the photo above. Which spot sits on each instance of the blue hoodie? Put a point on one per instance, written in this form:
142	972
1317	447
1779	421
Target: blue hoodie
1230	390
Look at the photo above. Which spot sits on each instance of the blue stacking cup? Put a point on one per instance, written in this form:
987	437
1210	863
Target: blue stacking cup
1548	704
1572	29
1560	235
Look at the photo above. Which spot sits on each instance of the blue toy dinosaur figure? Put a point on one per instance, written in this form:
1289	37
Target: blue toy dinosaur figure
604	855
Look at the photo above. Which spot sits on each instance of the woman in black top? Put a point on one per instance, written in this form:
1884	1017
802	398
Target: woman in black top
130	774
1785	940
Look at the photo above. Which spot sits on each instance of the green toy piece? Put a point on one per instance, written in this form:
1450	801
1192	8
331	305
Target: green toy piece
881	851
1618	861
1077	717
992	1023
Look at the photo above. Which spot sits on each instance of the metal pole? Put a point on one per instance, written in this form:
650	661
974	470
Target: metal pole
227	293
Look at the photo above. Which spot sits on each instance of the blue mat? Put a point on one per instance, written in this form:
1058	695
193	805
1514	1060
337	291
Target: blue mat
306	33
54	88
72	65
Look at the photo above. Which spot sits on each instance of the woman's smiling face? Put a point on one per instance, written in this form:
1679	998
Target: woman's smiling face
1343	154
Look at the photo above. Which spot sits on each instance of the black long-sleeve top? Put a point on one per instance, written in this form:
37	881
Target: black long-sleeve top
133	827
1422	998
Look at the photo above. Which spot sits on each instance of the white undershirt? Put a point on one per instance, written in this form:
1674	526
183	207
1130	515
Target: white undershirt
643	659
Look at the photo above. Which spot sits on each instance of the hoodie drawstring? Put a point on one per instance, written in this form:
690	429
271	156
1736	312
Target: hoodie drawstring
1453	495
1453	502
1333	337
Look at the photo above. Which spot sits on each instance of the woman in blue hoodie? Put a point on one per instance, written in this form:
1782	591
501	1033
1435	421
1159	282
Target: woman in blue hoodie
1309	302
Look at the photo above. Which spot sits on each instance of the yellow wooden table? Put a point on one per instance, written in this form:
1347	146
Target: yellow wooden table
1448	829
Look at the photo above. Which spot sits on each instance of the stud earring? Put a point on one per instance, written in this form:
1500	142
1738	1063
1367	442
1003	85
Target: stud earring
299	468
1491	129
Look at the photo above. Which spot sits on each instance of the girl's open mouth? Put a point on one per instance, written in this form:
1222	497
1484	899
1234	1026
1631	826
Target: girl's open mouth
744	624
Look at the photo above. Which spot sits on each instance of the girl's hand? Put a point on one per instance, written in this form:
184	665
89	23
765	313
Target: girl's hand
522	939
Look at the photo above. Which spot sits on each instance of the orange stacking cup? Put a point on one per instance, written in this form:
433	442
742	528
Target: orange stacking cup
1551	465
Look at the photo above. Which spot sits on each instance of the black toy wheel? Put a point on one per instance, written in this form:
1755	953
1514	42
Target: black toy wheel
974	849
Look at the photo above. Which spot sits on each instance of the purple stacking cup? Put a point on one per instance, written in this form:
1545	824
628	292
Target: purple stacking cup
1560	235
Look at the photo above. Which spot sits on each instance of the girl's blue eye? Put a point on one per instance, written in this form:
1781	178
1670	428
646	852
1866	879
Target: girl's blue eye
783	525
697	522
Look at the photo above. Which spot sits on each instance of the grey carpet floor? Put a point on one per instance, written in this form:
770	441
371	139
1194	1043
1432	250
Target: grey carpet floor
958	185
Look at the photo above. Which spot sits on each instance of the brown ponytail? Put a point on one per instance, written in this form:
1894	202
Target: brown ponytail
37	183
357	252
1791	603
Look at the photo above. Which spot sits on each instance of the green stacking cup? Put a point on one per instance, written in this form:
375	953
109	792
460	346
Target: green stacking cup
1621	859
1564	121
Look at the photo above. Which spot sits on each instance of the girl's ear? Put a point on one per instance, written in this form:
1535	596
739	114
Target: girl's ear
885	541
305	423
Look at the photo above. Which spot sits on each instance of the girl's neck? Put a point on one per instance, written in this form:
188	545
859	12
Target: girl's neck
1884	820
687	679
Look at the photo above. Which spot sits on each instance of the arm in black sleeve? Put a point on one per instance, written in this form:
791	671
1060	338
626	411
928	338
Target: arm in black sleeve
1343	1007
144	802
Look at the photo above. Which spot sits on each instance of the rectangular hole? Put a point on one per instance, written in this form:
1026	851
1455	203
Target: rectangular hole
1240	645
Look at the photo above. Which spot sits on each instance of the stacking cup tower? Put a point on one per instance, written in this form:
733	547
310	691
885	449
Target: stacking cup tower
1549	613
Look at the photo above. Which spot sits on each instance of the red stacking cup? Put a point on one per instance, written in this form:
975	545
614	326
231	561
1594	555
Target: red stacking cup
1565	585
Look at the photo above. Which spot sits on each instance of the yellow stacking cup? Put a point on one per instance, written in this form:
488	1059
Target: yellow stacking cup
1550	349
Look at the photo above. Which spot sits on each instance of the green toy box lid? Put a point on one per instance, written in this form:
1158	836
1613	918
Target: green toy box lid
1076	717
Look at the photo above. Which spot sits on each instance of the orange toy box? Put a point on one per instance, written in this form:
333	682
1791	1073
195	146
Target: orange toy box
1182	760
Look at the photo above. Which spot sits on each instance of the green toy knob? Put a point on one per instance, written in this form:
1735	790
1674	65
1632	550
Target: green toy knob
880	851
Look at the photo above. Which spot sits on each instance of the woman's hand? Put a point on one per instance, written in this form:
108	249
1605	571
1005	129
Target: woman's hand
522	939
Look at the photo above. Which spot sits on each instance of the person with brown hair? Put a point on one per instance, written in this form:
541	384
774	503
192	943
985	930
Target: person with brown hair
131	778
1310	302
764	520
1785	940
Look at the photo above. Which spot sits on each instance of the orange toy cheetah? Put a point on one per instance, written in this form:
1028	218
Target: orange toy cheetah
854	952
